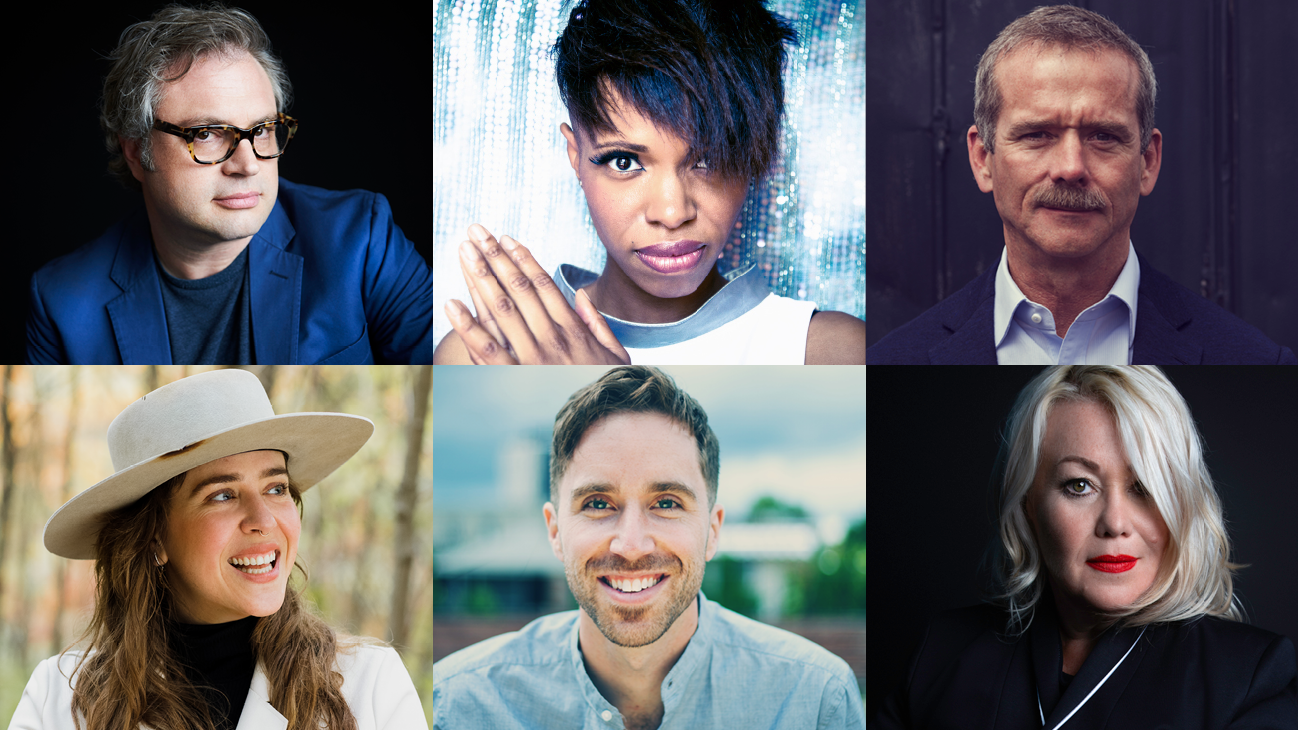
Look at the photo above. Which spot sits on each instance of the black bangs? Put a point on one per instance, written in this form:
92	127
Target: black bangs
708	72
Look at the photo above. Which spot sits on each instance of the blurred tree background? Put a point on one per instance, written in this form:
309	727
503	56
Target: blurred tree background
366	529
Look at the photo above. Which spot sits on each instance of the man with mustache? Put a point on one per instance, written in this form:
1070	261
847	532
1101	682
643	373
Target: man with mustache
225	262
1064	139
634	469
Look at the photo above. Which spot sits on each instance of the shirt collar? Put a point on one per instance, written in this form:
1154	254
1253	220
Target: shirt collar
1009	297
743	291
678	677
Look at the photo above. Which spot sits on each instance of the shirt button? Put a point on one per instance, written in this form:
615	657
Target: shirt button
1036	318
608	716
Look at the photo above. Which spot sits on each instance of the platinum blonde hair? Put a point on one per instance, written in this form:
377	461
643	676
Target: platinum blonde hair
1063	26
161	50
1165	451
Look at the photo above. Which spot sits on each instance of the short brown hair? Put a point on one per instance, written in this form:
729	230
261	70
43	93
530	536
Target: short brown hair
1068	27
632	389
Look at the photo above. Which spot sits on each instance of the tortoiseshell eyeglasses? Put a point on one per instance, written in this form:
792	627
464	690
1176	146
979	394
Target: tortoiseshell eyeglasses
210	144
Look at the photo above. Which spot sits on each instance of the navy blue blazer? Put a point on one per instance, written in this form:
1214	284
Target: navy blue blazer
332	280
1173	327
1207	674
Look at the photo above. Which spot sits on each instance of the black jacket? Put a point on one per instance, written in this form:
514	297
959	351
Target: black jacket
1205	673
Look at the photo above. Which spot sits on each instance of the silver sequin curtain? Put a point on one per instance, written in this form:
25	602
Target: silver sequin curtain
499	160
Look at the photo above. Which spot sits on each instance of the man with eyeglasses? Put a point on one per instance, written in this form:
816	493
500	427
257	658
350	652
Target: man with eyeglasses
226	263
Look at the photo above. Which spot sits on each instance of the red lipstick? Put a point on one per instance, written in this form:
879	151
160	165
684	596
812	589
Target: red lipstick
1112	563
670	257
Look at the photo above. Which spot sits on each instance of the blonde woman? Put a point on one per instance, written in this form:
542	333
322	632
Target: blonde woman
1116	601
194	537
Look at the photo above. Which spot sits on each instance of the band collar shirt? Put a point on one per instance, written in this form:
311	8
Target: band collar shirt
735	672
1101	335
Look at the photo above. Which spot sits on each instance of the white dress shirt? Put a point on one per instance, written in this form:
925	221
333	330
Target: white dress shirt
1101	335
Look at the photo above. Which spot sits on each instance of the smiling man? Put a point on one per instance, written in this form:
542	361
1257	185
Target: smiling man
1064	139
225	262
634	470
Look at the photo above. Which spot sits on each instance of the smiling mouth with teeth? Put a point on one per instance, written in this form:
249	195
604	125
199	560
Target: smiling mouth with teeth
634	585
256	564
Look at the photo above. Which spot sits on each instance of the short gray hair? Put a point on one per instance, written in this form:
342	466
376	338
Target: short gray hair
171	41
1071	28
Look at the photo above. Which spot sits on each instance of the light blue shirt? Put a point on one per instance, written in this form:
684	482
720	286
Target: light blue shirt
734	673
1101	335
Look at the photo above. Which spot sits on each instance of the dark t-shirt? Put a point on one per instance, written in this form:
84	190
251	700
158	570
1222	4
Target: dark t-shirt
209	321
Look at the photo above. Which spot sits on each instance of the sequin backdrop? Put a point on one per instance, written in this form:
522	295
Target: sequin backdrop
499	160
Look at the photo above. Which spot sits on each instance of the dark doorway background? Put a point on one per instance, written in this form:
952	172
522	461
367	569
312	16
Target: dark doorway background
1219	220
352	72
932	448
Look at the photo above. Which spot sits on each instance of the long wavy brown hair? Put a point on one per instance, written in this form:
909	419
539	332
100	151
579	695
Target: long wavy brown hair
128	673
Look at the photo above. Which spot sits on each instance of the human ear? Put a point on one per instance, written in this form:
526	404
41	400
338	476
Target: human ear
978	155
1151	162
574	155
131	151
552	527
714	531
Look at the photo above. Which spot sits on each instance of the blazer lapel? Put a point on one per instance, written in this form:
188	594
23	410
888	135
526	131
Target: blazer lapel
968	315
257	711
1159	319
275	281
139	320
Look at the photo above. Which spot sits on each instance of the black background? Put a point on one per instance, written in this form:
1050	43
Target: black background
352	69
1220	219
932	448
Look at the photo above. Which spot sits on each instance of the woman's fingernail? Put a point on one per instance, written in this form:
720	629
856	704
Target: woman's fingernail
509	243
479	233
469	252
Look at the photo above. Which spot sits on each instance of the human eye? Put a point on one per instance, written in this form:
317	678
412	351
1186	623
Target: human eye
622	161
1077	487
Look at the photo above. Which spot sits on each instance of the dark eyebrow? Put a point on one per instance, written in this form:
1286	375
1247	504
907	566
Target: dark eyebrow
1080	460
619	144
274	471
586	490
210	121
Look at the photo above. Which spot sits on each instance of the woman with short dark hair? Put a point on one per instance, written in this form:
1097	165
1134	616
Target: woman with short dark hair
676	109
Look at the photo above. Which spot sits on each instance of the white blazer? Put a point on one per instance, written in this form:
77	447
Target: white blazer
376	685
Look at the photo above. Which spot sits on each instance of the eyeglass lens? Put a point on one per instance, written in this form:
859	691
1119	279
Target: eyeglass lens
211	145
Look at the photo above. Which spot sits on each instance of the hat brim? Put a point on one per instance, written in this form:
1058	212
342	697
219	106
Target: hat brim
316	445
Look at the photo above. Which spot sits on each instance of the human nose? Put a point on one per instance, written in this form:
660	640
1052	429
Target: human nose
1067	160
671	203
242	161
633	539
1115	515
258	517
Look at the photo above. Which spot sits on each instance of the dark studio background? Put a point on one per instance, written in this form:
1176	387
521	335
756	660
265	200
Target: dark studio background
1220	219
932	450
351	71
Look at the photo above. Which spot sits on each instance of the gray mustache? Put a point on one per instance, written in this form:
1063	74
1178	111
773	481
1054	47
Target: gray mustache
1068	198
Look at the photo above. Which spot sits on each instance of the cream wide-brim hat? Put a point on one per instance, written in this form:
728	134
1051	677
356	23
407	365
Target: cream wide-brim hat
188	423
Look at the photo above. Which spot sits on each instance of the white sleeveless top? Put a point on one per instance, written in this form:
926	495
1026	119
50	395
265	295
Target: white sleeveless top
743	324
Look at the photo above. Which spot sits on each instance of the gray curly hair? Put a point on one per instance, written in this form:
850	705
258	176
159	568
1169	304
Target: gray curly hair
169	43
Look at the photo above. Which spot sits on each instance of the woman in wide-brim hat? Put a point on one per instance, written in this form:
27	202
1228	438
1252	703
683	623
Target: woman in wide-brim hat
193	538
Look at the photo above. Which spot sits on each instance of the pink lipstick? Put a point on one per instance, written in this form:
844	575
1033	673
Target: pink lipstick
670	257
1112	563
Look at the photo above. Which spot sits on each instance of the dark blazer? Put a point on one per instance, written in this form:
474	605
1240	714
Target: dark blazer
1205	673
1173	327
332	280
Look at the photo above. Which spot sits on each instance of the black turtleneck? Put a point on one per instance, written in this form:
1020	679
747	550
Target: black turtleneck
218	660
